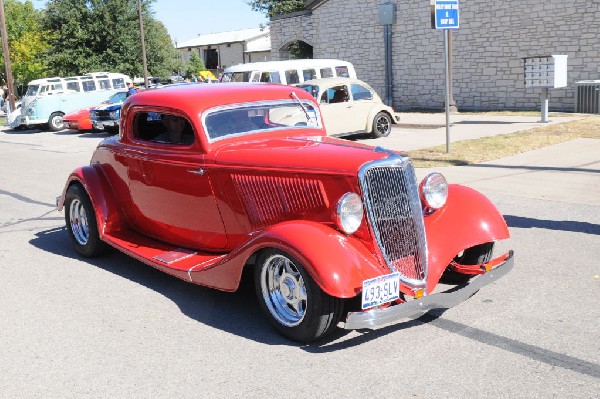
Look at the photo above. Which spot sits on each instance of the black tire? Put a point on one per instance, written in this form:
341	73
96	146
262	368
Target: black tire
294	304
80	219
471	256
382	125
55	122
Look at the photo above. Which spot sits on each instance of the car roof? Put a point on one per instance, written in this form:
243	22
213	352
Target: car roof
195	98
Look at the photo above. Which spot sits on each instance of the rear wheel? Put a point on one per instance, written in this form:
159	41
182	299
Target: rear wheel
471	256
55	122
382	125
291	300
80	219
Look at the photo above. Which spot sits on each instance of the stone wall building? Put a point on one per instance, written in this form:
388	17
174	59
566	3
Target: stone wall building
488	49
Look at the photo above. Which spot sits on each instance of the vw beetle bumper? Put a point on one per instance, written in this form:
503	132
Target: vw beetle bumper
443	300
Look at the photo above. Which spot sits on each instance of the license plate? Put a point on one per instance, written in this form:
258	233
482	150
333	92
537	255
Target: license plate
379	290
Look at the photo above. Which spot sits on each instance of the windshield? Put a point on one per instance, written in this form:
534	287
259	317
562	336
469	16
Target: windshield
251	118
117	98
310	89
32	90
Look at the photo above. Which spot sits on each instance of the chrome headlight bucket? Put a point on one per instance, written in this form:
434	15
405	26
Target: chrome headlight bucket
433	191
349	213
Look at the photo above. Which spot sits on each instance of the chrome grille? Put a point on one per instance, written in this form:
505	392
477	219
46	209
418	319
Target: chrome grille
271	199
394	211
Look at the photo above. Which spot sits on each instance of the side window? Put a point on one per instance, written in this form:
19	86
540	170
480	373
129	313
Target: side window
163	128
342	71
270	77
255	77
118	83
88	85
309	74
326	73
74	86
292	76
360	93
104	84
338	94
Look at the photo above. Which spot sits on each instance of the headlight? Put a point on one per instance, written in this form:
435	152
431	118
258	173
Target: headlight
434	191
349	213
115	114
93	114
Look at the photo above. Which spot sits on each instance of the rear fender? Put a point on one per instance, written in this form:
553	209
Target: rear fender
468	219
107	212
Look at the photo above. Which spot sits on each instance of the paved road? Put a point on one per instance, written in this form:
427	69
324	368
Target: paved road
113	327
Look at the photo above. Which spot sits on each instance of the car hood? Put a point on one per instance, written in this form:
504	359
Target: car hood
317	153
108	107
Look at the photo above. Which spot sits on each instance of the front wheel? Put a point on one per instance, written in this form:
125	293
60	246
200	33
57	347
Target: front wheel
471	256
291	300
81	223
382	125
55	122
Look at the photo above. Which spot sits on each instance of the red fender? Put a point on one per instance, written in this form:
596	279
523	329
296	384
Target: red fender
108	217
468	218
338	263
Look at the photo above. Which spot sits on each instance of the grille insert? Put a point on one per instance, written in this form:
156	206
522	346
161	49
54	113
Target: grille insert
395	215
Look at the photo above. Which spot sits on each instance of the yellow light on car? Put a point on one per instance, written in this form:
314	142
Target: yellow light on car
419	293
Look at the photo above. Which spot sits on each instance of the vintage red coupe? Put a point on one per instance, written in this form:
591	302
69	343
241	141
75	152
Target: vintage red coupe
206	180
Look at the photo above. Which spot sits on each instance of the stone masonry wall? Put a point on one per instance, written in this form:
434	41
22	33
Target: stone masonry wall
488	49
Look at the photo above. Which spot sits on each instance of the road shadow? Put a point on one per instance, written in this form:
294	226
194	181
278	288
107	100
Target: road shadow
562	225
237	312
82	134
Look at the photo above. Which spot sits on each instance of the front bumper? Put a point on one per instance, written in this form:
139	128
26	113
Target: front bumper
443	300
100	125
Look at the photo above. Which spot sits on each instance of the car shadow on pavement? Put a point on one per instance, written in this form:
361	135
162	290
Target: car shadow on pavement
236	312
563	225
86	134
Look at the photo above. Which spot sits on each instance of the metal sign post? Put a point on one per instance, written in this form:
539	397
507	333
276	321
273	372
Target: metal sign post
445	16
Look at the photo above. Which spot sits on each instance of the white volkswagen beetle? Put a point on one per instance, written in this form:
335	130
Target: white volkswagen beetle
350	106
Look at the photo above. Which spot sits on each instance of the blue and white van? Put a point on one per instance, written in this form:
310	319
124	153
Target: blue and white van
48	100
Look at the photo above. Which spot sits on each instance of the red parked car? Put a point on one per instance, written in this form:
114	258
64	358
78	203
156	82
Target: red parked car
80	119
206	180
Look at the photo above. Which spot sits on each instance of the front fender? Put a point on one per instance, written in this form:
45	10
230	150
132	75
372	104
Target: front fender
108	217
338	263
468	219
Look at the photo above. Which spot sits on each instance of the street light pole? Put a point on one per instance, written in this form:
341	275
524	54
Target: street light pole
143	43
9	76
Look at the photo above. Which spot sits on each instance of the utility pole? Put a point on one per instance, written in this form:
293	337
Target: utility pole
143	43
9	77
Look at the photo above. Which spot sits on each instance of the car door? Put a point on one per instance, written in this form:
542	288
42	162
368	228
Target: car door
171	191
337	110
363	102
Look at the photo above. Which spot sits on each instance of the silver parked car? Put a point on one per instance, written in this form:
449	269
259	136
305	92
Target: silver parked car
351	106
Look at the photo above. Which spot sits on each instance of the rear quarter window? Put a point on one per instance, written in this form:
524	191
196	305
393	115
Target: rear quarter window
360	93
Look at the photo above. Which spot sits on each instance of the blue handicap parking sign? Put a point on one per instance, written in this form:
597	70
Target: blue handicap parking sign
446	14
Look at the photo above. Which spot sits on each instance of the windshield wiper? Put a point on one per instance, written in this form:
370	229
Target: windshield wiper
295	97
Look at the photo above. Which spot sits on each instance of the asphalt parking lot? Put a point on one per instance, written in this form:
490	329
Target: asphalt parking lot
113	327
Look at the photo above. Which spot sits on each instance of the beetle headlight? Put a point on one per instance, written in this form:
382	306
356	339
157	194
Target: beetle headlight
349	213
434	191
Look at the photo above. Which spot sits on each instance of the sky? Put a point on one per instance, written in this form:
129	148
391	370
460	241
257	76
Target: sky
186	19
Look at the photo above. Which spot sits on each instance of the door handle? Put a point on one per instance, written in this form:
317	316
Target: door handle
198	171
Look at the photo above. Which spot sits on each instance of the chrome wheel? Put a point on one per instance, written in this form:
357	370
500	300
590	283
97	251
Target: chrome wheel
283	290
56	123
79	222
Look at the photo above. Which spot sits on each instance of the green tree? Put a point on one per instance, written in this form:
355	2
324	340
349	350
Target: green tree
27	42
194	64
276	7
104	35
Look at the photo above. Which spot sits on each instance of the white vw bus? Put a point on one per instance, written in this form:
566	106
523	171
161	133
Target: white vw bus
289	71
48	100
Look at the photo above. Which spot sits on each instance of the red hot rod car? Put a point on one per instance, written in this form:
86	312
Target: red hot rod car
203	181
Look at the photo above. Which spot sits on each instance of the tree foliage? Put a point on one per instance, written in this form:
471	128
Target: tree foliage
104	35
276	7
27	42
